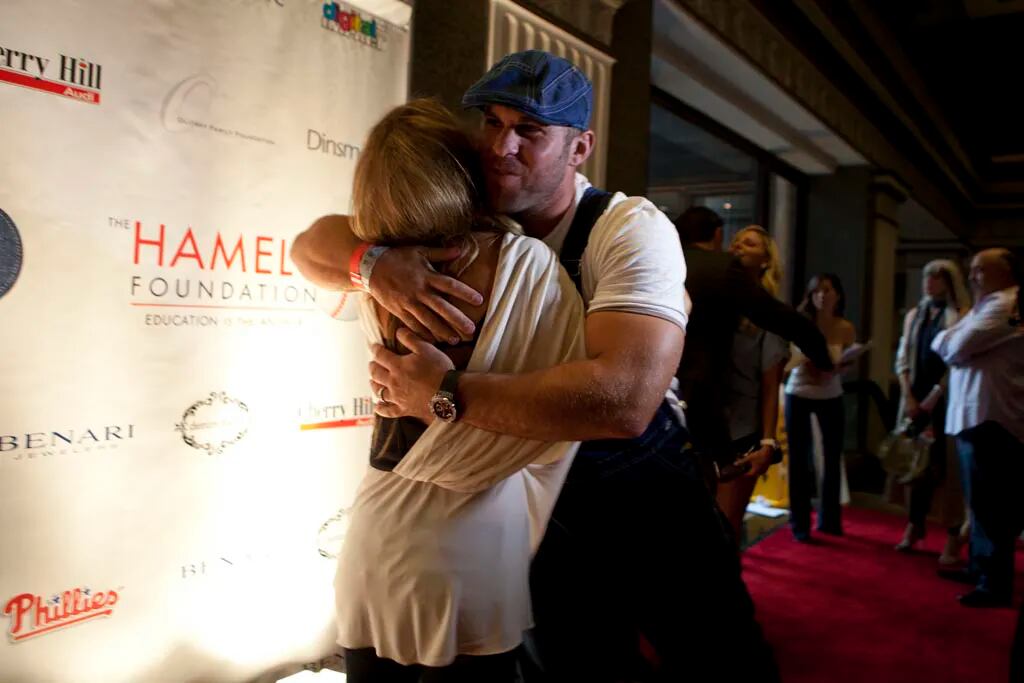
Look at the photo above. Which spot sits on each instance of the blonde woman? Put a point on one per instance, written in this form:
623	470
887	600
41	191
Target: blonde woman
432	581
758	358
923	377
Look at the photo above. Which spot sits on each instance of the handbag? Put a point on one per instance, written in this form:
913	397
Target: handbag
906	453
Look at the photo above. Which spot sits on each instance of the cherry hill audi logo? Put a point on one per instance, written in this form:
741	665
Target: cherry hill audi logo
75	77
32	615
318	416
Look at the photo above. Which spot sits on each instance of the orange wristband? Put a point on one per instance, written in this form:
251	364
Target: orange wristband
353	266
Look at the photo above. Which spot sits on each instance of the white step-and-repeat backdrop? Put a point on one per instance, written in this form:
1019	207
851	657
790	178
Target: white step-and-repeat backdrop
178	417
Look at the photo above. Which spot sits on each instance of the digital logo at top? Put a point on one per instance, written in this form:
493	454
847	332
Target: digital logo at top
351	23
72	77
10	253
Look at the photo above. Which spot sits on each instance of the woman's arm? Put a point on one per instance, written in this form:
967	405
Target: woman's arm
910	405
771	379
849	333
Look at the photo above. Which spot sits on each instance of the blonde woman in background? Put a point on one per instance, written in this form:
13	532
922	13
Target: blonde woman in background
923	377
432	582
758	358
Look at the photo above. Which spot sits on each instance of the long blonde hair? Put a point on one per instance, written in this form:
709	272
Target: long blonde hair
417	179
771	275
956	290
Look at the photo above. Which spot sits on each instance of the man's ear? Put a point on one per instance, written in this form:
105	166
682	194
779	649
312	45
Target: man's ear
582	147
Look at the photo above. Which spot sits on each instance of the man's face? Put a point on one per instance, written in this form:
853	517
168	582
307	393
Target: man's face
524	161
987	274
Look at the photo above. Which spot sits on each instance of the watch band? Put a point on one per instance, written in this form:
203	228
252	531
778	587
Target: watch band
450	383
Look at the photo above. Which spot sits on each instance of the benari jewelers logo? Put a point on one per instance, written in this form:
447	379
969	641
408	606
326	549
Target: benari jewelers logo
33	615
77	78
214	423
10	253
347	21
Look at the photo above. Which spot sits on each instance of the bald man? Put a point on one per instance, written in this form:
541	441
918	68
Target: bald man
985	352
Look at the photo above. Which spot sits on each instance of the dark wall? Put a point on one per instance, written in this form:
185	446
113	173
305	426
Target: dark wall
837	234
449	48
630	113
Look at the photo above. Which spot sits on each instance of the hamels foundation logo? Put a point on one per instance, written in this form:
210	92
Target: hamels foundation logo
73	77
202	270
33	615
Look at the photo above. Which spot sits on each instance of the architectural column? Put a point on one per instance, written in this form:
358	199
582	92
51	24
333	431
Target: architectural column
449	48
886	194
630	123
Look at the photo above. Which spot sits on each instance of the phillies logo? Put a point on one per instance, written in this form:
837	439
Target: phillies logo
31	616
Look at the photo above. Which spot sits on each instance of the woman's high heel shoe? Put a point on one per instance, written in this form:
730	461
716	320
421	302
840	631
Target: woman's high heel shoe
951	553
911	536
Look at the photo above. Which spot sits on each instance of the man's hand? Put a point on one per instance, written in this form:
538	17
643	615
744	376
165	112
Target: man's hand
403	281
760	460
409	381
406	285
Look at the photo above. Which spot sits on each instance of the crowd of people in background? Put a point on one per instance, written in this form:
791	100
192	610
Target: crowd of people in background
548	452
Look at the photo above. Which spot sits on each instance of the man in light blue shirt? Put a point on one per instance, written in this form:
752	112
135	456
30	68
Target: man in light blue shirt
985	352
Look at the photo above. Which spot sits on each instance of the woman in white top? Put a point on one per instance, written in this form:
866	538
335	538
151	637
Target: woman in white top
432	581
758	358
923	377
810	391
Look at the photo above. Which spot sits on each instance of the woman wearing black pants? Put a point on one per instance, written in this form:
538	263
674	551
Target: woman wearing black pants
923	377
810	391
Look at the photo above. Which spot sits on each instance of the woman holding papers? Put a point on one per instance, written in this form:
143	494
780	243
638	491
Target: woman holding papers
923	376
810	391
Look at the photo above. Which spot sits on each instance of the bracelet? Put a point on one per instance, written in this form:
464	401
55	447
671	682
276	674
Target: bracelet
361	265
353	265
770	442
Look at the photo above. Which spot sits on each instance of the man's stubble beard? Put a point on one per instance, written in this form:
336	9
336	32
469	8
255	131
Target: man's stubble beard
533	196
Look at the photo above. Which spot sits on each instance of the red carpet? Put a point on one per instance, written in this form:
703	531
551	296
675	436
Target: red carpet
852	610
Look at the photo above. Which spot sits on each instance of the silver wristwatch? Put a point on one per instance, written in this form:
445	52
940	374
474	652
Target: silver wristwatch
443	404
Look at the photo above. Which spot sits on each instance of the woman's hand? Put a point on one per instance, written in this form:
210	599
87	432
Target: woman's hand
912	407
760	460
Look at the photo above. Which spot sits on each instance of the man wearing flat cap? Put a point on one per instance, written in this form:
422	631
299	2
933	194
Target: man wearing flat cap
636	547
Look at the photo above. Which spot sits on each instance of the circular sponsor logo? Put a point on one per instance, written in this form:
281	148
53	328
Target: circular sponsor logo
332	534
10	253
214	423
199	90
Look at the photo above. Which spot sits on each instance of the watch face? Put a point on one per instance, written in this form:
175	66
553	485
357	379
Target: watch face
443	408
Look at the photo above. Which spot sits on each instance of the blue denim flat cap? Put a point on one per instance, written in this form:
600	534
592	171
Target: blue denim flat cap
539	84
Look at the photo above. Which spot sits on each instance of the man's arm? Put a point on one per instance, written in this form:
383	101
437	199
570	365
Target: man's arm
322	252
981	329
612	394
403	280
772	315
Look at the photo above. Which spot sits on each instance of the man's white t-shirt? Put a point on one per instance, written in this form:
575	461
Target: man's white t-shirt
633	261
